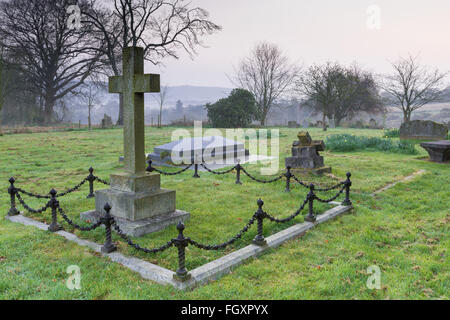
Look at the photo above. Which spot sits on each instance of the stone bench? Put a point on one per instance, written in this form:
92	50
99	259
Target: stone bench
439	151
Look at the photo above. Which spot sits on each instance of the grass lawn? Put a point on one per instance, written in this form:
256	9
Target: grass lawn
403	230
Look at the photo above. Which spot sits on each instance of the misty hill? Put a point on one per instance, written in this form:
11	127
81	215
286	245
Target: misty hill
192	97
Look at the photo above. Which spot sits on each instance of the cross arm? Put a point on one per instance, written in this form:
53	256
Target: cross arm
116	84
146	83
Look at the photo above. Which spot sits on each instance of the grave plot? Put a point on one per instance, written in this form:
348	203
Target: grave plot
182	278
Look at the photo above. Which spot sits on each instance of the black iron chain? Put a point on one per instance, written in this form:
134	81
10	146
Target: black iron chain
76	226
260	180
217	172
78	186
317	189
39	196
135	245
102	181
172	173
43	209
331	199
224	244
291	217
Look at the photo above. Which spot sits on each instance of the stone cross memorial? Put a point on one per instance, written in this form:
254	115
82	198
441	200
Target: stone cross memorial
138	203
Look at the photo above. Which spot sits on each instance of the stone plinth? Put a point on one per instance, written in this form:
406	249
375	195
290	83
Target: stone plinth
138	203
439	151
305	155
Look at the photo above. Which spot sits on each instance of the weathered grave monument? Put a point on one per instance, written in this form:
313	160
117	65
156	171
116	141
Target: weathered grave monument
139	205
199	150
439	151
106	122
423	130
305	155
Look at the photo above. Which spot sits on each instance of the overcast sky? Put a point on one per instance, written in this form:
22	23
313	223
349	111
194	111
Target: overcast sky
316	31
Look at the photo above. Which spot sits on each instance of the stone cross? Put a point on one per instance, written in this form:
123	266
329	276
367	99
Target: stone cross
132	85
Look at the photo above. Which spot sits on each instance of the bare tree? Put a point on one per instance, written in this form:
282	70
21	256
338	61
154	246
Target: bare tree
411	86
162	27
267	74
89	94
318	84
55	58
161	98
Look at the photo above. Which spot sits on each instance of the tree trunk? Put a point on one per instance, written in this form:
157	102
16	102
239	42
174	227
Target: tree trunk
324	120
160	116
89	119
48	111
406	116
120	118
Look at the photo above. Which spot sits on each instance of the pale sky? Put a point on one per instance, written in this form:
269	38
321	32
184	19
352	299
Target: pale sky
314	31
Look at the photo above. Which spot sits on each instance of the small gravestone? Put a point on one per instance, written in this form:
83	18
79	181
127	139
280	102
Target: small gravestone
293	124
319	124
373	124
106	121
305	155
423	130
439	151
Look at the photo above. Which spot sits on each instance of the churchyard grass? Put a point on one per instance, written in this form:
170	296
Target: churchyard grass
403	230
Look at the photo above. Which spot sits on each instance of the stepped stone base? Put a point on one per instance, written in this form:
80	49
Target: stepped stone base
141	227
138	204
135	206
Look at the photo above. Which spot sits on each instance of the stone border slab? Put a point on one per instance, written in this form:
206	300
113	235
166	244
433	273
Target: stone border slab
201	275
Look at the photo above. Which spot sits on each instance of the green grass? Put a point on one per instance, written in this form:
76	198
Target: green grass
403	230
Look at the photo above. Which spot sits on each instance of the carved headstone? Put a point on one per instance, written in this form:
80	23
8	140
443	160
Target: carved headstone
423	130
305	155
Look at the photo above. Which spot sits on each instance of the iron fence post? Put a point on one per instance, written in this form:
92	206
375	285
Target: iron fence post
311	196
288	175
91	180
181	242
196	171
54	204
108	246
238	173
260	215
149	167
348	184
12	191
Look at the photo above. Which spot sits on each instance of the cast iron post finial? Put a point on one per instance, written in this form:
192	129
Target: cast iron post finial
12	192
260	215
181	242
108	246
311	196
54	204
